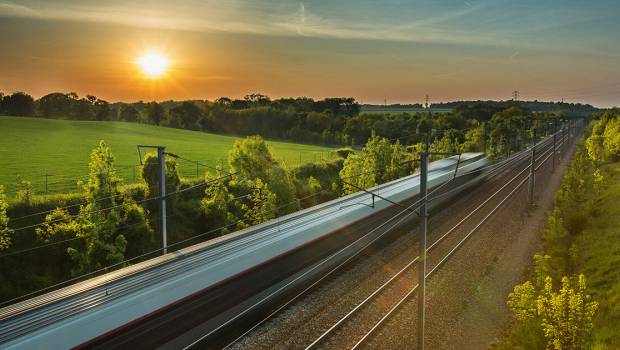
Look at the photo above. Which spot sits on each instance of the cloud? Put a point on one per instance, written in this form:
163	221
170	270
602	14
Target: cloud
484	23
242	17
10	9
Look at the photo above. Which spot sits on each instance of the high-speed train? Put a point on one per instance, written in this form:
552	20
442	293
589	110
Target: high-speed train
174	299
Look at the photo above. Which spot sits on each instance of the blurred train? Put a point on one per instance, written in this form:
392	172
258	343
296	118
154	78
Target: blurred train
171	300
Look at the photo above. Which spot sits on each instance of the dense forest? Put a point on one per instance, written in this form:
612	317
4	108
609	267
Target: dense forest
330	121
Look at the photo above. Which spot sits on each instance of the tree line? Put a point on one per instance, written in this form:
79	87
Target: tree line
262	189
330	121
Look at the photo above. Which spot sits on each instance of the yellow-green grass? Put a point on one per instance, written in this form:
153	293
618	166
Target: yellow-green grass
598	251
32	147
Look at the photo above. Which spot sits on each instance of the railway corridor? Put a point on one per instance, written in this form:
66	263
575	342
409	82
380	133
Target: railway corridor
466	296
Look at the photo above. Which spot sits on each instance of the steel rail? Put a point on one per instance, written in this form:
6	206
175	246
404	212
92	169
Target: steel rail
338	266
408	265
499	166
442	261
164	269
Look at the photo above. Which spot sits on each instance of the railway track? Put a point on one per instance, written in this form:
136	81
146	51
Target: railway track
381	298
368	308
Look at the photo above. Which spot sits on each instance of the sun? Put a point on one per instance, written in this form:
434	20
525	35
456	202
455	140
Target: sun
153	64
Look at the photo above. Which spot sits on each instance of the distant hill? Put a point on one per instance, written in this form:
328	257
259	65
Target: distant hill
535	106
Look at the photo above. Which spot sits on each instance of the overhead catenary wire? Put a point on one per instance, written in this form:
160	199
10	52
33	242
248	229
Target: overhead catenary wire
332	270
329	273
408	294
180	191
228	174
341	320
324	276
121	205
155	251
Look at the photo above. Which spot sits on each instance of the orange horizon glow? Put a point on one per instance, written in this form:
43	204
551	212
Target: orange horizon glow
193	50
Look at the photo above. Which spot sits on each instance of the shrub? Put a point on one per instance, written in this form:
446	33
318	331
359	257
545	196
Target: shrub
5	231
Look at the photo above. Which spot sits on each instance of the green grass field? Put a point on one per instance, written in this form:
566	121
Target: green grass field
31	147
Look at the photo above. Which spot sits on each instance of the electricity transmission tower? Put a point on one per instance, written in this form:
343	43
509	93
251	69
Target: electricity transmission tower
515	95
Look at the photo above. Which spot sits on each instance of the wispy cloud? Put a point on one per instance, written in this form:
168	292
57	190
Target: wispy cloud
488	23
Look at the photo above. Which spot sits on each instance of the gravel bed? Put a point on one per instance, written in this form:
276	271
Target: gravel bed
466	298
302	322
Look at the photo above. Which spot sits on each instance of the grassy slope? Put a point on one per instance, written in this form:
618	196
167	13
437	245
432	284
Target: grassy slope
31	146
599	260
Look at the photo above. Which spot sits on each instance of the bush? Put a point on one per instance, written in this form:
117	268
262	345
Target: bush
5	232
150	174
564	317
344	152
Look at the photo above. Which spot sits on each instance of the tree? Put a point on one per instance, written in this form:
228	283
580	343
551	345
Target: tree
5	231
215	206
185	115
257	99
102	109
378	162
82	109
110	223
611	139
18	104
156	113
566	315
358	171
252	159
55	104
150	174
223	102
129	113
563	318
262	204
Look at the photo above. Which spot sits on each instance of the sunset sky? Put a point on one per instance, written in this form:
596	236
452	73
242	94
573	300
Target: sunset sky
370	50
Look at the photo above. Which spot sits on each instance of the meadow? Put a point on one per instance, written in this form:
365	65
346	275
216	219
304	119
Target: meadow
33	147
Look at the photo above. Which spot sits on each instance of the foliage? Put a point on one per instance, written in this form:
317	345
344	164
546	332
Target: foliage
24	193
611	139
581	237
251	159
18	103
5	231
150	174
563	317
317	182
344	152
156	113
108	225
566	315
215	206
378	162
262	204
185	116
359	172
604	141
129	113
474	140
